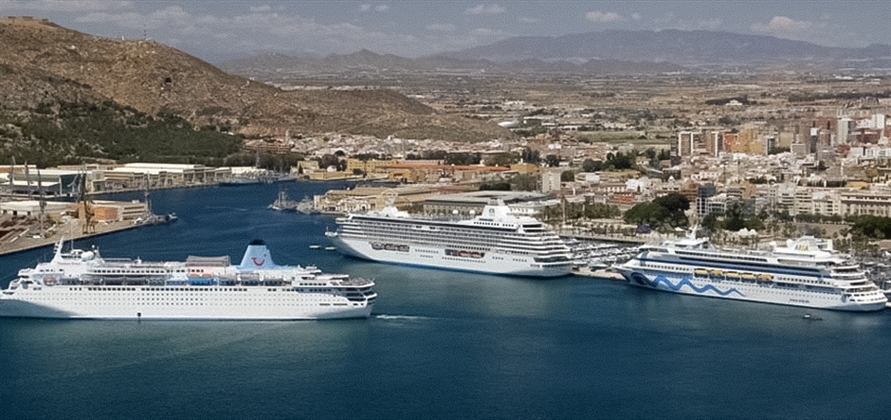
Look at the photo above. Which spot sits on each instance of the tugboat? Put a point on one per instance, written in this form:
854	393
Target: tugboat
282	203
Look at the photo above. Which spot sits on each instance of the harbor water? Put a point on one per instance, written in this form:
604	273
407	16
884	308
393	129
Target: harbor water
439	344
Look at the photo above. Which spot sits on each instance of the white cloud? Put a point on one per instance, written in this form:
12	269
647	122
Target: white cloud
484	9
526	19
600	17
785	27
368	7
671	21
635	16
210	34
782	24
441	27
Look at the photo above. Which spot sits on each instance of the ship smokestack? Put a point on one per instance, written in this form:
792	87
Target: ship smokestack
256	257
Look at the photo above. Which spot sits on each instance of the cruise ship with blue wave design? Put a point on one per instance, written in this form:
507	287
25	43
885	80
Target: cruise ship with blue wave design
805	272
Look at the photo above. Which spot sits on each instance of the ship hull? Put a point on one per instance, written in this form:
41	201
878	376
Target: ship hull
690	285
429	256
182	303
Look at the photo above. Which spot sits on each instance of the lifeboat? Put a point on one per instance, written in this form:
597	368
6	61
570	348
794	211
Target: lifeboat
732	274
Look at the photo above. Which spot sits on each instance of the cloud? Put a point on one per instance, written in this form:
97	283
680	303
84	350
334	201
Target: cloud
671	21
441	27
526	19
601	17
635	16
782	24
484	9
211	35
379	8
785	27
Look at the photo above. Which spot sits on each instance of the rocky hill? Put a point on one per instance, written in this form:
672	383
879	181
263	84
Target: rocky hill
43	63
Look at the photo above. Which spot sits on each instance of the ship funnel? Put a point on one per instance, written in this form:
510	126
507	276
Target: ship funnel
256	257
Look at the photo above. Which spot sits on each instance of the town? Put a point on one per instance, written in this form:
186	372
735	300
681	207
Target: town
776	164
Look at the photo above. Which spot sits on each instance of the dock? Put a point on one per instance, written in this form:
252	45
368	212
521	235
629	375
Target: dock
71	231
606	274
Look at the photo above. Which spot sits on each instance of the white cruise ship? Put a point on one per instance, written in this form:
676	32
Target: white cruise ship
82	284
494	242
806	272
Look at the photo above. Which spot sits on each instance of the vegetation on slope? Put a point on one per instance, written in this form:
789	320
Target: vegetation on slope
74	133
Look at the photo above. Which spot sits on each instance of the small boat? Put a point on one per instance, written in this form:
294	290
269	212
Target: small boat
314	246
810	317
282	203
330	248
306	206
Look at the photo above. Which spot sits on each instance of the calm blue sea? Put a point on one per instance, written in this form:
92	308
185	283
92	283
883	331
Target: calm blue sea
438	345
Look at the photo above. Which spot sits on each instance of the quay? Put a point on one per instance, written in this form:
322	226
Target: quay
605	274
23	242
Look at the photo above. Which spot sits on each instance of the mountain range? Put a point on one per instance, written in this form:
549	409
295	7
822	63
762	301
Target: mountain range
605	53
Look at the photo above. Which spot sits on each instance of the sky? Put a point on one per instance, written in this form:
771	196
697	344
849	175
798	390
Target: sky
216	30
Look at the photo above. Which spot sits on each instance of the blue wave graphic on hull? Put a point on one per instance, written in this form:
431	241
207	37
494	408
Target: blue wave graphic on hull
685	281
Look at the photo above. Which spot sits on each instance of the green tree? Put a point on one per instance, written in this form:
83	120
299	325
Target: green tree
665	211
524	182
590	165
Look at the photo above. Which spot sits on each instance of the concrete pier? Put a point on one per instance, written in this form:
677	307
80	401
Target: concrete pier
70	230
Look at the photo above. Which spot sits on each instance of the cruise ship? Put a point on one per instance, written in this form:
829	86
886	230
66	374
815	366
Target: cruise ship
805	272
82	284
494	242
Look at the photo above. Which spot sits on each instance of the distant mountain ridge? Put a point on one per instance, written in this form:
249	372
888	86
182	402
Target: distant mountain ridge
687	48
600	53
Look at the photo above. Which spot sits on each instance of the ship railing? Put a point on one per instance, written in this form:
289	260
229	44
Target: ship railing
354	282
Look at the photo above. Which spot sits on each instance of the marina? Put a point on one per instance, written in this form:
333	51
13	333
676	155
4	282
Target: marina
478	343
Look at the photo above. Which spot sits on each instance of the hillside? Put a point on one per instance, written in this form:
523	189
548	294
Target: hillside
44	64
